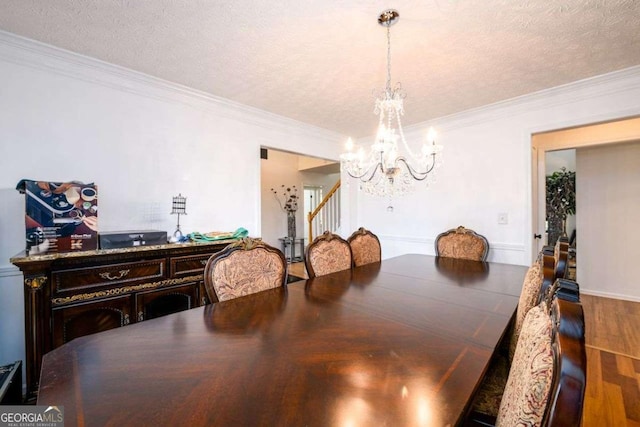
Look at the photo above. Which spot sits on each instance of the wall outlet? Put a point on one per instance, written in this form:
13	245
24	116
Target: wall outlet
503	218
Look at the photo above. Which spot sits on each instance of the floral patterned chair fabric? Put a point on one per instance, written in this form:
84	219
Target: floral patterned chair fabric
529	298
244	268
546	381
462	243
327	253
548	376
365	247
526	394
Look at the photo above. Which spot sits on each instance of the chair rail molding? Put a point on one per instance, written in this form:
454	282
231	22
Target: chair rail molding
508	253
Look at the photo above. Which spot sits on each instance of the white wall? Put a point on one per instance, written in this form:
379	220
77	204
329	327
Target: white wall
142	140
608	202
487	168
556	160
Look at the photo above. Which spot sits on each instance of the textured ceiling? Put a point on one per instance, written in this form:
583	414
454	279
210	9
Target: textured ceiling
319	61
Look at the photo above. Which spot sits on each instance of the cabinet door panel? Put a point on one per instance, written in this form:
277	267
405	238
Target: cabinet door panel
156	303
89	318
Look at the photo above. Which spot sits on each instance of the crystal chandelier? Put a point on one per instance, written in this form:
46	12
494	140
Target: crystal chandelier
391	169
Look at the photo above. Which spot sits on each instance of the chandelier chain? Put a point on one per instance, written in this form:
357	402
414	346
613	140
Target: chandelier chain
389	59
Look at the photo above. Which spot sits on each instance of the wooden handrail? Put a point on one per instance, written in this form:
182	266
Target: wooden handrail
315	212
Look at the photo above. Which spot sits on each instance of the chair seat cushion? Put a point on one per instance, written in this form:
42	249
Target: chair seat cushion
488	397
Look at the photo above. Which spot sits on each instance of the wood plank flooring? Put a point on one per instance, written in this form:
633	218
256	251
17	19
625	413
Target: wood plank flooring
298	269
612	336
612	325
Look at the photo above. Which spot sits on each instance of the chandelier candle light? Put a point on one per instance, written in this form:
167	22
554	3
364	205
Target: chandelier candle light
390	169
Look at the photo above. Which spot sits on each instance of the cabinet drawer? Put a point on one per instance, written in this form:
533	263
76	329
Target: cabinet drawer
107	276
190	265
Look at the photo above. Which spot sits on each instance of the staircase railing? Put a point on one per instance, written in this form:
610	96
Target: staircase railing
327	211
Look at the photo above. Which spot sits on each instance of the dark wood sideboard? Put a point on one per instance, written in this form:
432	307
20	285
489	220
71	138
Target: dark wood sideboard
69	295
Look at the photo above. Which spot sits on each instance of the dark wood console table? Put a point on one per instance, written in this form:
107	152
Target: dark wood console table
69	295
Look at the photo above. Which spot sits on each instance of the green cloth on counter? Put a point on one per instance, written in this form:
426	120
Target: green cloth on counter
212	237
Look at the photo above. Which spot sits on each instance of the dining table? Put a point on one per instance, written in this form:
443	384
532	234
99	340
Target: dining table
401	342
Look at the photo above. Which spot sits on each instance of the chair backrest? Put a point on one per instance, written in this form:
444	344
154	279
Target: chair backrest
462	243
529	298
561	256
566	400
365	247
536	287
547	377
327	253
548	264
244	268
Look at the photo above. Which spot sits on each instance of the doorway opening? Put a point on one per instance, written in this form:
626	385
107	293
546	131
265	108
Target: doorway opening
598	165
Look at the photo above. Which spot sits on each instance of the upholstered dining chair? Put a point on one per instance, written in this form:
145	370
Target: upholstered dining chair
561	256
537	279
327	254
547	379
462	242
365	247
242	268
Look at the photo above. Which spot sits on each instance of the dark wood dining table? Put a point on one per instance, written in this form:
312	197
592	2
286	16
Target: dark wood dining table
401	342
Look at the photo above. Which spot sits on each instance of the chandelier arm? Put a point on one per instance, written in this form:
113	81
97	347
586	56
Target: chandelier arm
417	175
367	171
373	173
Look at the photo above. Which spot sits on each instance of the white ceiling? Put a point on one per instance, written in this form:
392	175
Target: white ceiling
319	61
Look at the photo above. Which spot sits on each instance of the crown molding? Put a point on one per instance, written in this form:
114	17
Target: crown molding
620	81
40	56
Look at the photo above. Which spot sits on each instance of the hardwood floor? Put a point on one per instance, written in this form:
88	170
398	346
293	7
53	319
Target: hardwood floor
612	325
298	269
612	337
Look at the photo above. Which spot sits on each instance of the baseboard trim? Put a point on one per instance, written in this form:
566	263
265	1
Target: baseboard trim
611	295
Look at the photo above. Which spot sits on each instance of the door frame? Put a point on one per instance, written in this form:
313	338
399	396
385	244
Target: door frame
612	132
